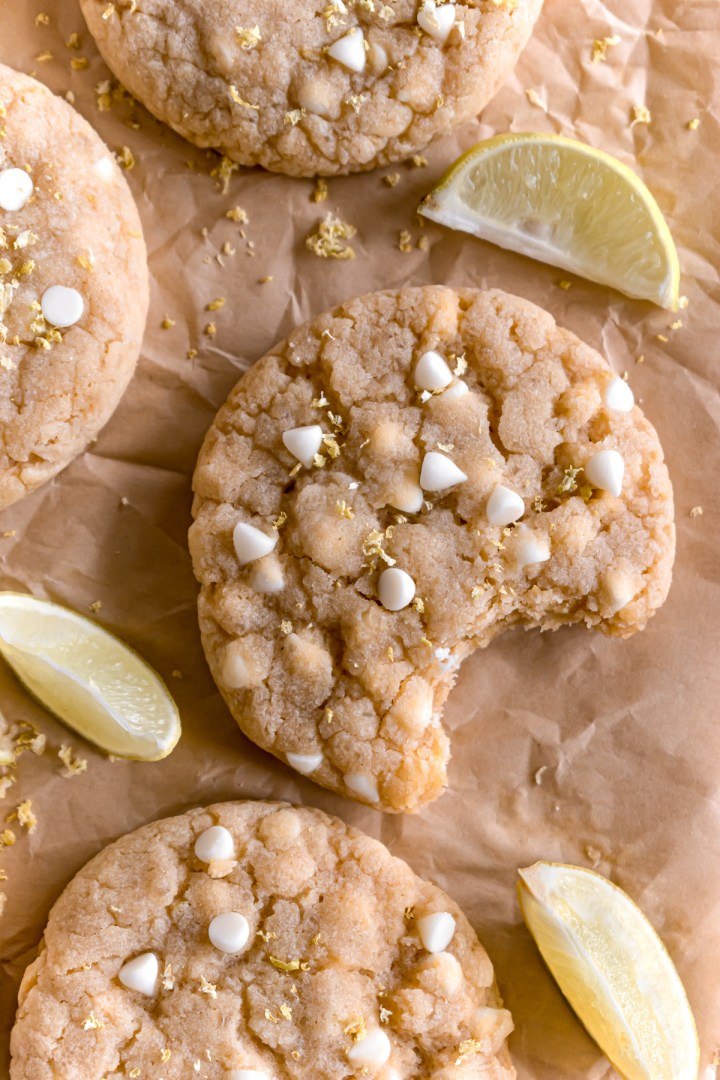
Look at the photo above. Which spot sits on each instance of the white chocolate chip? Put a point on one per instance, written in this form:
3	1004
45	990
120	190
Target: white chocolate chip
250	543
215	843
407	497
439	472
304	442
140	974
436	21
364	785
618	396
16	187
314	96
105	168
431	372
371	1052
61	306
305	763
529	549
504	506
244	664
229	932
396	589
605	470
457	390
350	50
246	1074
618	589
267	576
436	931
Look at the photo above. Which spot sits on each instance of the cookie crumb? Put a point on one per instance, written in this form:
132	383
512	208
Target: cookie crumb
693	124
216	305
207	987
391	180
95	606
697	511
167	323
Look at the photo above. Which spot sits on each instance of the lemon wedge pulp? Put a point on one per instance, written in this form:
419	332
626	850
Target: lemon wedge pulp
564	203
88	678
613	969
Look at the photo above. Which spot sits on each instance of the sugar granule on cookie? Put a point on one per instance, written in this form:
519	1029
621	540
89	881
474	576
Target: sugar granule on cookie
300	962
446	464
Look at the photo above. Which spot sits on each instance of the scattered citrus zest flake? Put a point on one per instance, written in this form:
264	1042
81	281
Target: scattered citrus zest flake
319	192
73	765
601	46
237	214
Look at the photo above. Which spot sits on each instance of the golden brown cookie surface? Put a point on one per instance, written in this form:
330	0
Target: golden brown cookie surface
397	483
259	937
328	87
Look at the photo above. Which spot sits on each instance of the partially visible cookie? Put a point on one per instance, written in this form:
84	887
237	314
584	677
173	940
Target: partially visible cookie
73	284
388	490
257	941
323	87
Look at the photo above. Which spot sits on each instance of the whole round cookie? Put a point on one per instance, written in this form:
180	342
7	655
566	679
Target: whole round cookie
333	87
73	284
386	491
257	941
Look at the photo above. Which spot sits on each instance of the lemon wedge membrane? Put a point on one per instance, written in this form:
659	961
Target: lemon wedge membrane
565	203
613	969
88	678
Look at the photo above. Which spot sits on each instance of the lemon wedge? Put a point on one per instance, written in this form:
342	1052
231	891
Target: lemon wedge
564	203
88	678
613	969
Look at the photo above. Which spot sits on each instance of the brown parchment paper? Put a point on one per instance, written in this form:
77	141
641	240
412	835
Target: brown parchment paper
568	746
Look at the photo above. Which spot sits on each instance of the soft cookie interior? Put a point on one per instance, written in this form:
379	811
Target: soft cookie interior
466	466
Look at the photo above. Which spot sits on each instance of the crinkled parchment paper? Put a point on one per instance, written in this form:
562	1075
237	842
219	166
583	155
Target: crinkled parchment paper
569	746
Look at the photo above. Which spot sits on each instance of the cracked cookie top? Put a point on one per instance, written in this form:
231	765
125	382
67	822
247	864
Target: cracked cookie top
338	86
73	284
401	480
257	941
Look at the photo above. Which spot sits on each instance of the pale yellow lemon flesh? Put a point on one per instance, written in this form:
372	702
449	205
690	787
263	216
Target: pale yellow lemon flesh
565	203
88	678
